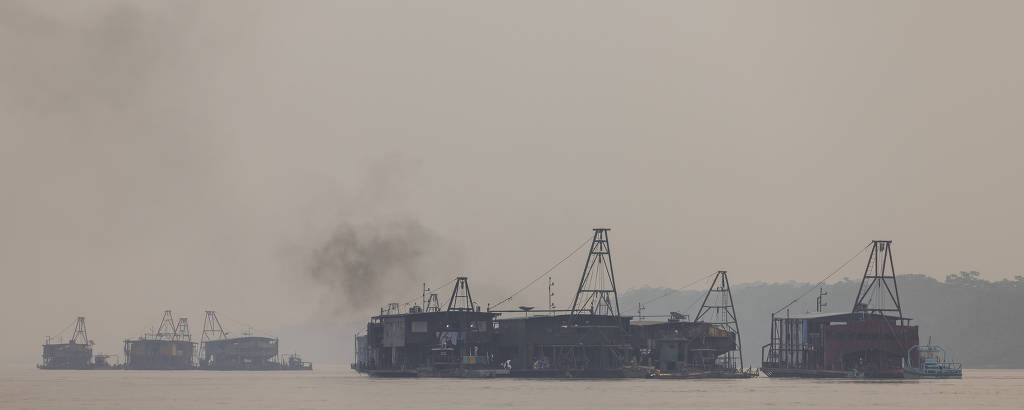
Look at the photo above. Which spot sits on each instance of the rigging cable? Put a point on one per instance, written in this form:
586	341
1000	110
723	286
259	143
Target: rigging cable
671	291
61	333
543	274
252	329
432	290
822	281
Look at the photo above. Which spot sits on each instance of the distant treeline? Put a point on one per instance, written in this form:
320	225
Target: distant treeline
978	322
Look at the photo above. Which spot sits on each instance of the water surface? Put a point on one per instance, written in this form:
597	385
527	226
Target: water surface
338	387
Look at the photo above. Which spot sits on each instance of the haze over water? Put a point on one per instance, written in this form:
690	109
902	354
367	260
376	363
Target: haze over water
335	387
193	155
239	156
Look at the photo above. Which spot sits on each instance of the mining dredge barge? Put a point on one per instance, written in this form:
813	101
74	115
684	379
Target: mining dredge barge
589	340
76	354
171	348
871	341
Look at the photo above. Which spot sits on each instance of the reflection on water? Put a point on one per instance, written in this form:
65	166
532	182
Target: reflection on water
336	387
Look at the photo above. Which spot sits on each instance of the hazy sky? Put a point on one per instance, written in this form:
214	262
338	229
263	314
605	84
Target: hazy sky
194	155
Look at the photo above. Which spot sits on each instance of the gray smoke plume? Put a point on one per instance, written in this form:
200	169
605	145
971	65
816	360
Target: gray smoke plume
365	266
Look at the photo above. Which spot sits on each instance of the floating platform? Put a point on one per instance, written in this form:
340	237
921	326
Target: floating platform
592	339
76	354
871	341
217	351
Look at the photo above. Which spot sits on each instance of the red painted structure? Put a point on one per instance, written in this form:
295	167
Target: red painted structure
871	341
839	345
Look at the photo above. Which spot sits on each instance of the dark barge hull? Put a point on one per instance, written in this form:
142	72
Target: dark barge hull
472	373
831	374
276	368
703	375
571	374
391	373
804	373
441	373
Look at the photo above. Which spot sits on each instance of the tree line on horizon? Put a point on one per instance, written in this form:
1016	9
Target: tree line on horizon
975	320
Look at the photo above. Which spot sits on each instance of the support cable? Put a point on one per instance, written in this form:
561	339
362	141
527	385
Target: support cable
432	290
671	291
584	243
254	329
690	306
822	281
61	333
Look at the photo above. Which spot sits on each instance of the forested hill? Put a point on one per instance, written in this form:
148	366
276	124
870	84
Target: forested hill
978	322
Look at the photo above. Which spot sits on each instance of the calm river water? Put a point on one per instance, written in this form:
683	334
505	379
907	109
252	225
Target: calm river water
339	388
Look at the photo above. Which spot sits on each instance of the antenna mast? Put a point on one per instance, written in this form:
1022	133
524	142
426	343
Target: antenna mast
821	299
551	305
423	297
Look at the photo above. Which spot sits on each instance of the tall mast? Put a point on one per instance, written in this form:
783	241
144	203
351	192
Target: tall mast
878	293
721	311
461	300
167	327
181	332
597	294
80	336
212	330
